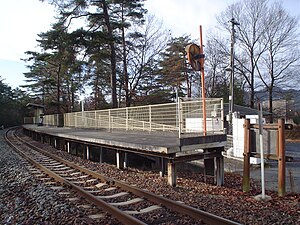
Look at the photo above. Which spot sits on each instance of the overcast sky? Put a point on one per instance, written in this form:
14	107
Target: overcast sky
22	20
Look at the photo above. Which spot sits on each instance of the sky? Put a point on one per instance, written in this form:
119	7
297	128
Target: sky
22	20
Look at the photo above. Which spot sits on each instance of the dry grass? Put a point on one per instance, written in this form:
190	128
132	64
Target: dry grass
293	134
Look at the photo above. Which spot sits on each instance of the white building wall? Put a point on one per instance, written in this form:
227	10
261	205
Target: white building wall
238	137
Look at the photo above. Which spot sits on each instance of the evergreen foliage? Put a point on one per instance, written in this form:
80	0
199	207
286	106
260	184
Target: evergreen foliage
12	105
120	56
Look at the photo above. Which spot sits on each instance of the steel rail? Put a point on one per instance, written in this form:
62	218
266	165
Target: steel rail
118	214
170	204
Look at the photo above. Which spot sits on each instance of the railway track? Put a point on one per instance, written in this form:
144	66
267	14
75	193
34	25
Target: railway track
126	203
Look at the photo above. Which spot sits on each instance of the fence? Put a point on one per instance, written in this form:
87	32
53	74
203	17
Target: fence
30	120
185	116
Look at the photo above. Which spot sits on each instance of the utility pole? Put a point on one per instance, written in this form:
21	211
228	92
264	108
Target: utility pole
231	69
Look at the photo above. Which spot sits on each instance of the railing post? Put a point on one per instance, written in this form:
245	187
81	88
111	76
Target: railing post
65	119
222	115
246	171
179	113
281	158
150	118
109	125
126	118
95	113
75	118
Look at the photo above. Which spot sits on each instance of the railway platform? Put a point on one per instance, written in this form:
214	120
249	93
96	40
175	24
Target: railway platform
168	149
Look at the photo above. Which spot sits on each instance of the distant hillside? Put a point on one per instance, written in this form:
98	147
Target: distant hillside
279	93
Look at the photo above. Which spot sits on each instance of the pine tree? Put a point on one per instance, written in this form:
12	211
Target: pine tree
175	73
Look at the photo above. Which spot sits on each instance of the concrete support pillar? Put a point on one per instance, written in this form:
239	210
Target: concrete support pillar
120	159
87	152
125	161
101	155
171	173
68	146
162	167
220	170
55	143
209	168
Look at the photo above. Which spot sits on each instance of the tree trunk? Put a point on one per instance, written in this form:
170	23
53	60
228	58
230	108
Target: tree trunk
96	94
125	73
270	89
252	97
113	77
58	89
72	95
69	90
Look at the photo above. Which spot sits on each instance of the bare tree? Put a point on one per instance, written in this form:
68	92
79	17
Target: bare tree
148	41
216	60
282	56
267	48
250	15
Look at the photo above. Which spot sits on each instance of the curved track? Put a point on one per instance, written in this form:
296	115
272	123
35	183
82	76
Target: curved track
126	203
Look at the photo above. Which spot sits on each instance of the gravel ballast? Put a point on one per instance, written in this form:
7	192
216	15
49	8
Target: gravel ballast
24	200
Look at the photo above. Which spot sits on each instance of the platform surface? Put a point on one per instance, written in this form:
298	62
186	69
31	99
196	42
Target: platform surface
142	141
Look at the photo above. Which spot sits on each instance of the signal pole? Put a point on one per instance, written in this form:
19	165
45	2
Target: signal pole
201	60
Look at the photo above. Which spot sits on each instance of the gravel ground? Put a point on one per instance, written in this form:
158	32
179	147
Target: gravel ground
26	201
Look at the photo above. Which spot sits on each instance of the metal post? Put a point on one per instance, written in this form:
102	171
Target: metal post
262	162
281	158
246	170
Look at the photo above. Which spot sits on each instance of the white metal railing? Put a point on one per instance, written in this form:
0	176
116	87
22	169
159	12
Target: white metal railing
51	120
29	120
185	116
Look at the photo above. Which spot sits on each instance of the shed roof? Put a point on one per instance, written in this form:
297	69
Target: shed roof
35	105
